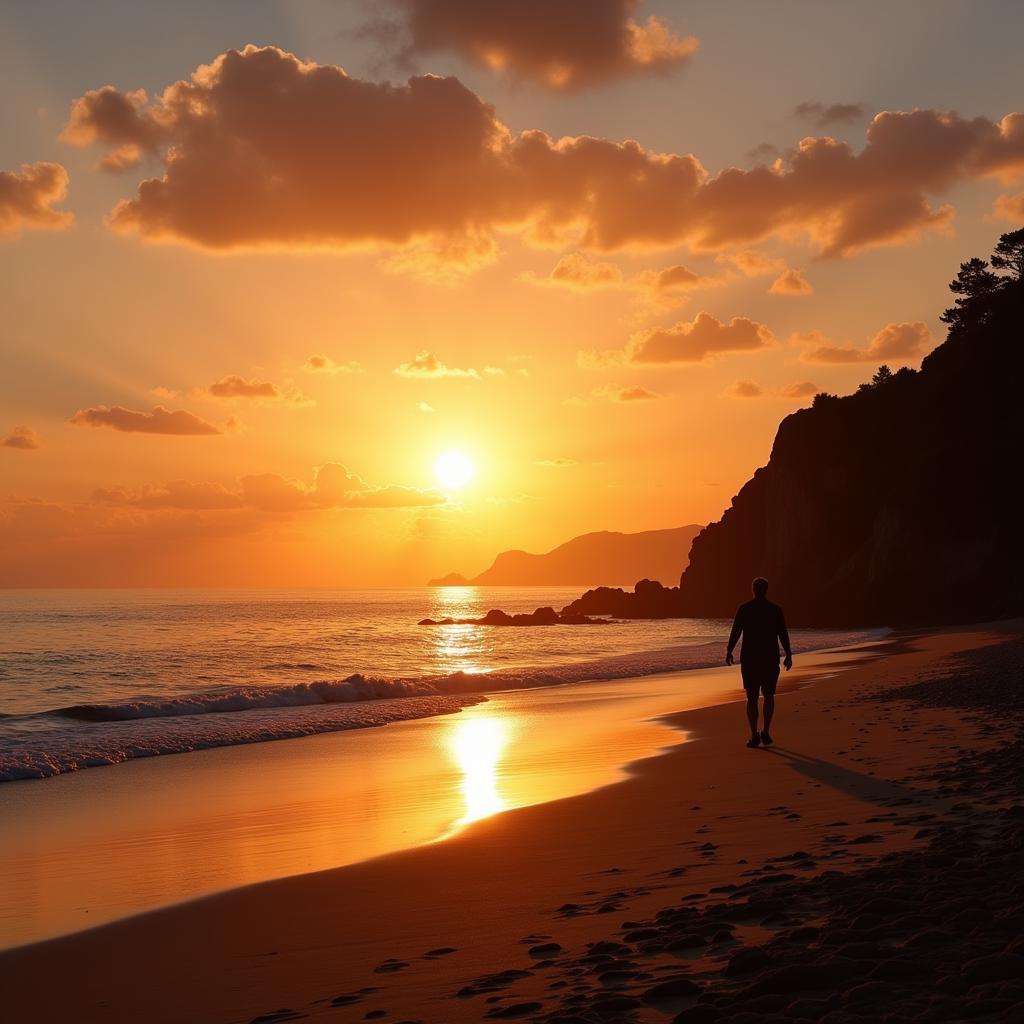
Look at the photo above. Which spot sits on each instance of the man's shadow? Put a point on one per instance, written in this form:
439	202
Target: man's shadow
867	788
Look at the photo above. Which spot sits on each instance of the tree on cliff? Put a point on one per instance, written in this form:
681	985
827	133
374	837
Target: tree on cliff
1009	254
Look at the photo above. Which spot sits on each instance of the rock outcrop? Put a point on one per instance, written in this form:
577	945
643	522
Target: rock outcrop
539	617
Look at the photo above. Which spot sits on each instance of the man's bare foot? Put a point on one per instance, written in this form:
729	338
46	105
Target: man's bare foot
754	741
766	739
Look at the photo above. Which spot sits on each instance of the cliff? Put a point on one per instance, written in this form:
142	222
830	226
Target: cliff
604	557
899	504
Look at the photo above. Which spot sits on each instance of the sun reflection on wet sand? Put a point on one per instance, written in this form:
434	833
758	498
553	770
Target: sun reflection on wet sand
476	744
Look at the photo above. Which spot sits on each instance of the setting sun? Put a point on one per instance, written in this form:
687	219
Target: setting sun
454	469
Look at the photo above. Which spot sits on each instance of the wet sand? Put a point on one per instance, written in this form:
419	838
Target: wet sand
687	887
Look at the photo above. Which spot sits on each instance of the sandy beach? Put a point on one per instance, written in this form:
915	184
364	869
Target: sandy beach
713	882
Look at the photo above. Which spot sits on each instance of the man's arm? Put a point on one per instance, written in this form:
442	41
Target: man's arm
784	637
737	628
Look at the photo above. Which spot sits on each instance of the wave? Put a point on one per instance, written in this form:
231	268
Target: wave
90	735
342	691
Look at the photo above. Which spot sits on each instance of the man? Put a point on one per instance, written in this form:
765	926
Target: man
763	626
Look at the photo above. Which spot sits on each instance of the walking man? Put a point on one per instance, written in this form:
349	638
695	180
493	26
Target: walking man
763	626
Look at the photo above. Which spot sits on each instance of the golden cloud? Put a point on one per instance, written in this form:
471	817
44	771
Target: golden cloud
22	437
695	341
159	421
27	197
560	44
791	282
895	342
260	149
425	365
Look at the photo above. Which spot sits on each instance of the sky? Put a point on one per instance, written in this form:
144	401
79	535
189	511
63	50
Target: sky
265	262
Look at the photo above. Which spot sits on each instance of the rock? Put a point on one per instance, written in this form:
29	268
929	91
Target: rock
801	978
746	961
545	949
997	967
671	990
697	1015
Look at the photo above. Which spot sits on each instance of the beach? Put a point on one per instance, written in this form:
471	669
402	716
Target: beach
684	887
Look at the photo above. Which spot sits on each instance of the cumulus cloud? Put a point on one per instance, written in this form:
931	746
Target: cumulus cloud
22	437
27	197
751	389
825	115
791	282
159	421
632	393
695	341
745	389
578	272
752	263
235	387
425	365
560	44
895	342
261	149
1009	207
325	364
425	407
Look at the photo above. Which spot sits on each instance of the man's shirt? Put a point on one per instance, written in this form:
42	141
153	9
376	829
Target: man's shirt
763	626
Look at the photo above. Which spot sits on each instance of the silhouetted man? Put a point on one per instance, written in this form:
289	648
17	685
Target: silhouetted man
763	626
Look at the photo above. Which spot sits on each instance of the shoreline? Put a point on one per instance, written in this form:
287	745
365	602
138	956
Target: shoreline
499	911
378	792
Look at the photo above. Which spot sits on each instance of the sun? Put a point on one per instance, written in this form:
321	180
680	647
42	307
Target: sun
454	469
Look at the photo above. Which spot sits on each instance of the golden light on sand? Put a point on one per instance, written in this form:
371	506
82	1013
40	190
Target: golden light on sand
477	745
454	469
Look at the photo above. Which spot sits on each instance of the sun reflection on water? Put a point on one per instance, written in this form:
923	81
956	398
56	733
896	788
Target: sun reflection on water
476	744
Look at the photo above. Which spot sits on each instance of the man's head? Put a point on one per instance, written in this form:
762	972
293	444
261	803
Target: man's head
759	586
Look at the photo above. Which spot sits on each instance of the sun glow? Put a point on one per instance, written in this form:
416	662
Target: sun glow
454	469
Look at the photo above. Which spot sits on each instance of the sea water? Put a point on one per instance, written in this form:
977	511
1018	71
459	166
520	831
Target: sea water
95	677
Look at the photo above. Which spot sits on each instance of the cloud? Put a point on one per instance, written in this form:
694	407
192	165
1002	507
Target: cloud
791	282
324	364
118	120
425	407
800	389
1009	207
560	44
159	421
260	149
752	263
633	393
702	338
178	494
233	386
751	389
824	116
333	487
745	389
27	197
895	342
425	365
559	463
578	272
22	437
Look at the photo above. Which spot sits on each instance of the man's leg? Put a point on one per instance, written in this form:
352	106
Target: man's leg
752	712
769	705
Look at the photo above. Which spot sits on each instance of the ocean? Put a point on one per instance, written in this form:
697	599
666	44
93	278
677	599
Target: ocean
90	678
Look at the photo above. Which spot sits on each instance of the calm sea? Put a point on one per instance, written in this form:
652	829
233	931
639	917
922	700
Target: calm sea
91	678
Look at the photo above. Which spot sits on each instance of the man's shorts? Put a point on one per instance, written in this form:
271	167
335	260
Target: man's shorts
760	678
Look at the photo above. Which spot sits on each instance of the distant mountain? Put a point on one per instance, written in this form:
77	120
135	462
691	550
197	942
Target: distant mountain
593	558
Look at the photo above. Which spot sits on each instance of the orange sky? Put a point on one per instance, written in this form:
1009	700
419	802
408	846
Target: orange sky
250	297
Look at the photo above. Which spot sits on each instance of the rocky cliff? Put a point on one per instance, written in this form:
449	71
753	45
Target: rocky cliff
900	504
